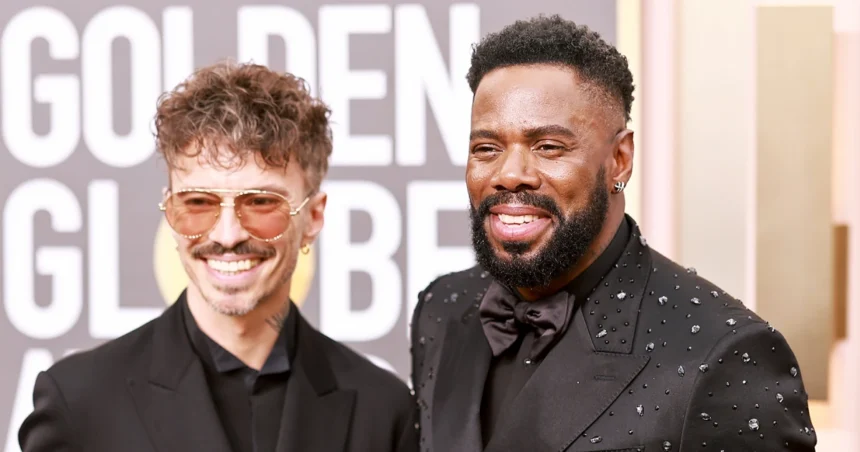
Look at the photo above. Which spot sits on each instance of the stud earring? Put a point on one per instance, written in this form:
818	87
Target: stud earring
619	186
306	249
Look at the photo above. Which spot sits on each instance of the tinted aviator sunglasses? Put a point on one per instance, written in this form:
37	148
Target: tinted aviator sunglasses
264	215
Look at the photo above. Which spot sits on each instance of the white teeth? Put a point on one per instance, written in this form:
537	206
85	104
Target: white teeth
517	219
231	267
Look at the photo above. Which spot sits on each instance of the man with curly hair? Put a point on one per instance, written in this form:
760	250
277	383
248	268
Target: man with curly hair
571	333
232	365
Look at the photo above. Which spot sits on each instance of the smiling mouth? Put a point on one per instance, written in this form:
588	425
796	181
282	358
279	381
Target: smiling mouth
517	219
232	268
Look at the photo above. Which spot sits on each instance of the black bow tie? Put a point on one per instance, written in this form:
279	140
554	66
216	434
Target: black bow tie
503	313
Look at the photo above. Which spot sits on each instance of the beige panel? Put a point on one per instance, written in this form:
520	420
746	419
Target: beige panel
659	124
794	269
628	26
716	146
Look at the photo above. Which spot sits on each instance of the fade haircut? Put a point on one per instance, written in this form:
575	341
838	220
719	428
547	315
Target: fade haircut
555	41
228	112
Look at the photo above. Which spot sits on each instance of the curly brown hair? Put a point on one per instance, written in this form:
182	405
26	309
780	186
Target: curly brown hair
245	110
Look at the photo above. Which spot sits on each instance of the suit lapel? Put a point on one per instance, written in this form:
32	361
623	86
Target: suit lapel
465	360
570	389
317	414
174	401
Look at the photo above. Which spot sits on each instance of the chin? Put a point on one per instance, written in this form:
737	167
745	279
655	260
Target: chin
233	297
232	301
233	305
510	250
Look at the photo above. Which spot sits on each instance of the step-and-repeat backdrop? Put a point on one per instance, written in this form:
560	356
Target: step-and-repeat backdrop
86	255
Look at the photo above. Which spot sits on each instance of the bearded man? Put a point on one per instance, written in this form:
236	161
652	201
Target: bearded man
571	333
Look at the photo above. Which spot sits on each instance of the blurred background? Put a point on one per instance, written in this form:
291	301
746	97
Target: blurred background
747	120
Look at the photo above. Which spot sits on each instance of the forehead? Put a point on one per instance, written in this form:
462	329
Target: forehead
208	170
518	97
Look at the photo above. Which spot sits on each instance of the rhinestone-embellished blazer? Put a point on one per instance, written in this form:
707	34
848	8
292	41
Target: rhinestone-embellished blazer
676	364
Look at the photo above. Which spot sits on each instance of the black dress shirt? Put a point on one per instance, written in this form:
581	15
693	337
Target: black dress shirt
249	402
510	371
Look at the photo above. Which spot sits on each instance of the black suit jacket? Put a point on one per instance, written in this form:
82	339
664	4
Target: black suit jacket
695	370
146	392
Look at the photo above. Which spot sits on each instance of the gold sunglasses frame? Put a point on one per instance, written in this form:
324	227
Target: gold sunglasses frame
236	193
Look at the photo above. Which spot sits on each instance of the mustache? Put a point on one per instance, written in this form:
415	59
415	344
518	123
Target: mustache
244	248
527	198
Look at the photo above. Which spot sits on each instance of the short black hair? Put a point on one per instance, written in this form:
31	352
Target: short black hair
553	40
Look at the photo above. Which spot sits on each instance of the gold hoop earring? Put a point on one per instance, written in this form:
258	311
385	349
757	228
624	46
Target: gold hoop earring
306	249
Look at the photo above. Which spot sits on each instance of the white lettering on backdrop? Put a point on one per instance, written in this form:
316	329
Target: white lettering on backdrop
80	108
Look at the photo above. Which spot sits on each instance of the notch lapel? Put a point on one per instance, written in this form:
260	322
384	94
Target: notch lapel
465	360
566	394
174	401
317	414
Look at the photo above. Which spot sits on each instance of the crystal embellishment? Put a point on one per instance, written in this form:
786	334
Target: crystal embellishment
753	423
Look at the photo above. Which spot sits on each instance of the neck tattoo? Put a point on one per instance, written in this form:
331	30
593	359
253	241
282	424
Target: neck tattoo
277	321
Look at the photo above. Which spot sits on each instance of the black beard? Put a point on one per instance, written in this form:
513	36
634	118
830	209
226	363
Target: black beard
566	246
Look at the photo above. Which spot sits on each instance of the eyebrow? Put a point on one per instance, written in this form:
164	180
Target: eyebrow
553	129
531	133
267	187
483	133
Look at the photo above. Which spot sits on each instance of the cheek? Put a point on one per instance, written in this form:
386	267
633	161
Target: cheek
287	249
184	246
566	174
572	184
478	175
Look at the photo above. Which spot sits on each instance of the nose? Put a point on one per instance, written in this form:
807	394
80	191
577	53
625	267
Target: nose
228	232
516	171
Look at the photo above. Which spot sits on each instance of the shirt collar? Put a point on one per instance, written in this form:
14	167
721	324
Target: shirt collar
218	358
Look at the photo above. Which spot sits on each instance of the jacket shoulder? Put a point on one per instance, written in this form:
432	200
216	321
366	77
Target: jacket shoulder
451	294
689	310
98	370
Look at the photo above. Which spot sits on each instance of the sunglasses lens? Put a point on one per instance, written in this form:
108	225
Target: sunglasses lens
263	215
192	213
